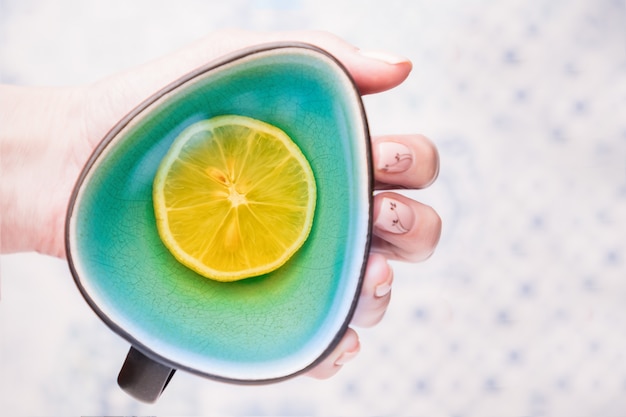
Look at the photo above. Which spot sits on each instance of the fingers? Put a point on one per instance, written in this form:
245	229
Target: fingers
404	229
404	161
346	350
373	302
405	240
375	293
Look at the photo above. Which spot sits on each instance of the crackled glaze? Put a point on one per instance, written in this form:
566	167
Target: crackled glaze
266	327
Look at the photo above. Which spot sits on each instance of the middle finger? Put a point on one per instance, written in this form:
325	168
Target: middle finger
404	161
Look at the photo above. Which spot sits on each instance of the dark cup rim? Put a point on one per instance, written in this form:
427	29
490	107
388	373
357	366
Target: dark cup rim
118	127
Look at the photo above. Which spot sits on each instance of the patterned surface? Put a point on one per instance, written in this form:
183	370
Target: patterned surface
519	313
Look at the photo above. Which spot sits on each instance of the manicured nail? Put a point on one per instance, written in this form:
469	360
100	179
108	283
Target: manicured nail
382	290
384	56
394	216
346	357
394	157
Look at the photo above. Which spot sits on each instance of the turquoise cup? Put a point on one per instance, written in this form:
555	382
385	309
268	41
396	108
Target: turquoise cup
261	329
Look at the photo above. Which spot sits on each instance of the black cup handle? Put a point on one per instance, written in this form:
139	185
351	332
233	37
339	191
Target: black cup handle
143	378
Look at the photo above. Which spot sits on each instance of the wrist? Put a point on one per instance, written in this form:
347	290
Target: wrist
38	165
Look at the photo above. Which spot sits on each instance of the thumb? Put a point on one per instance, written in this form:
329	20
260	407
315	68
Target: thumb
373	71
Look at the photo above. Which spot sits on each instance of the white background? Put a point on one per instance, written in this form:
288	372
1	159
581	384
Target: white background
521	312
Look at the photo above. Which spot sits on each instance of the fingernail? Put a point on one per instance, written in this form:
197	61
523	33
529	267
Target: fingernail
394	216
382	290
384	56
394	157
346	357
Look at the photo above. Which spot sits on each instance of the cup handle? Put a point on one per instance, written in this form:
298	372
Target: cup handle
143	378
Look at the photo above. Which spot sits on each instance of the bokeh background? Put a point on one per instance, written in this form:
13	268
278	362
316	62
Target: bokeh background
522	310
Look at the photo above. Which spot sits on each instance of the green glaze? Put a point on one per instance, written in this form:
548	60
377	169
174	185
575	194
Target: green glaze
259	328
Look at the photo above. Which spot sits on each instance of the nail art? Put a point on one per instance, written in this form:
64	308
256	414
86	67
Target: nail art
394	217
394	157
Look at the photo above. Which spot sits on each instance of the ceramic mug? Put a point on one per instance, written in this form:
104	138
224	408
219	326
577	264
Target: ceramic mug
260	329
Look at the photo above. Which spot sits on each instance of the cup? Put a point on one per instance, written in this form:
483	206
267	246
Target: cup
261	329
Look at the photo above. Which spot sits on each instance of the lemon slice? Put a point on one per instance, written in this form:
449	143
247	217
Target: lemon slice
234	197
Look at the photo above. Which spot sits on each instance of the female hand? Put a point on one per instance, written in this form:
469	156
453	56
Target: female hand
48	135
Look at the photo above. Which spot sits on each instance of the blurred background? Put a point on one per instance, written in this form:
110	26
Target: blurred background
522	310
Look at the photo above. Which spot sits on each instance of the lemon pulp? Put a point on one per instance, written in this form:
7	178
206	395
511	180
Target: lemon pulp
234	197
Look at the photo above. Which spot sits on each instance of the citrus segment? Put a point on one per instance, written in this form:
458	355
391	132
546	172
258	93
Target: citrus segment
234	197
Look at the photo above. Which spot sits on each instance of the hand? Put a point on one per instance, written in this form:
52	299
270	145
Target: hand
50	133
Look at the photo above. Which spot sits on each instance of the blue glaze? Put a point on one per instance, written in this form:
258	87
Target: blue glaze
256	329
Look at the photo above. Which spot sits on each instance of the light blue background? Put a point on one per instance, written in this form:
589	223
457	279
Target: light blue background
521	312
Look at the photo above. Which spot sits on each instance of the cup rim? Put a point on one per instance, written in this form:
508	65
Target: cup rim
137	111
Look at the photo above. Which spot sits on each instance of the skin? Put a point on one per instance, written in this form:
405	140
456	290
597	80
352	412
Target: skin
48	134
